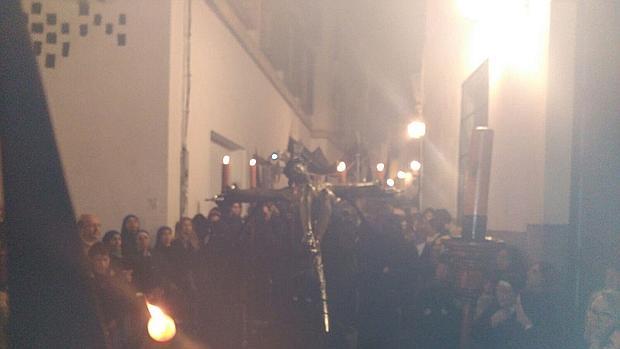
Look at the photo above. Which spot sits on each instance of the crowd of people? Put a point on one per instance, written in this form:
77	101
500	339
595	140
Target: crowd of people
390	284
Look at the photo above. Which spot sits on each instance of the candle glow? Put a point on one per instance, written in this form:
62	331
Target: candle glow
342	166
415	165
380	167
252	162
226	160
161	327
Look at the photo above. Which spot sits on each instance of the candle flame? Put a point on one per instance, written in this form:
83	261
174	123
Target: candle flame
390	182
161	327
401	174
342	166
415	165
252	162
380	167
226	160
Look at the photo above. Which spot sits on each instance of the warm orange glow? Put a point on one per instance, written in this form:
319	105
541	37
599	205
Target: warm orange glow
161	327
401	174
342	166
416	129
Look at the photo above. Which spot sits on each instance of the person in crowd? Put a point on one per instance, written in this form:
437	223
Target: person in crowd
143	266
381	265
110	294
498	327
129	231
112	240
186	248
486	299
89	227
538	308
428	213
603	320
235	221
441	221
510	266
436	317
201	226
424	238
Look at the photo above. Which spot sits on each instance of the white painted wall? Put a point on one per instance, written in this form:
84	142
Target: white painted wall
458	40
109	106
231	96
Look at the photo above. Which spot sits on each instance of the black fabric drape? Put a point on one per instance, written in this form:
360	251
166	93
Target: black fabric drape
51	302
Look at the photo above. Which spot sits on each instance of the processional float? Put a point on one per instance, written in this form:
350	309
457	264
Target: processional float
315	204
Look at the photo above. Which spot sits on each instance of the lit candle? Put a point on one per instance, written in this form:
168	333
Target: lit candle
161	327
342	171
253	173
380	174
225	172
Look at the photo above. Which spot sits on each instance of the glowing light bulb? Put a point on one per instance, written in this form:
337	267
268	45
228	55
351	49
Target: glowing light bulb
401	174
161	327
415	165
252	162
380	167
390	182
226	160
416	129
341	166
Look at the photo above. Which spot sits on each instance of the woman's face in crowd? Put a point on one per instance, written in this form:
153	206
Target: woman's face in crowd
101	264
115	242
186	227
144	241
166	237
132	224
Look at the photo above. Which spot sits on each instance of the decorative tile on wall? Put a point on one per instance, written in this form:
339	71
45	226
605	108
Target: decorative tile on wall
50	31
